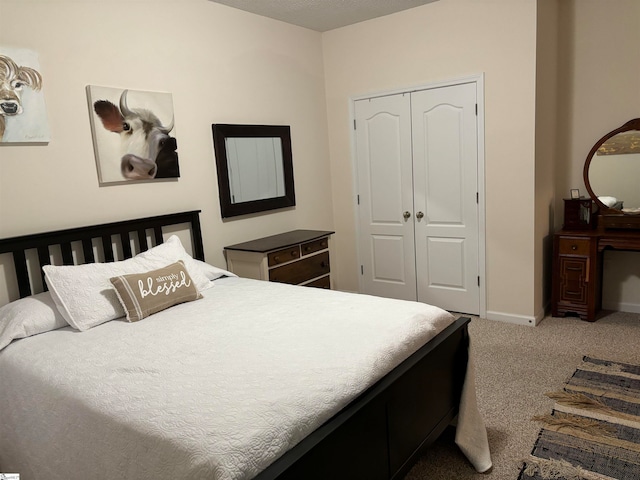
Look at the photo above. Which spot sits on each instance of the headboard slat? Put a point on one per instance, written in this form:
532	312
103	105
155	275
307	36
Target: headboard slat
198	245
126	244
18	246
142	239
44	258
157	235
87	250
22	273
43	255
67	253
107	248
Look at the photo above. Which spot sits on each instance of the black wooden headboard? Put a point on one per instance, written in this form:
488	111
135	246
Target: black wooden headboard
124	232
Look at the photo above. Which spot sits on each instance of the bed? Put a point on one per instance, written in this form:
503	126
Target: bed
223	387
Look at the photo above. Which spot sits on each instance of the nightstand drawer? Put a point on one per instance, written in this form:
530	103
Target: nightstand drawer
323	282
574	246
315	246
285	255
301	271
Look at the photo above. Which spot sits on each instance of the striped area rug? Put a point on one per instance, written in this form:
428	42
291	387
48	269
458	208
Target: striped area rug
593	432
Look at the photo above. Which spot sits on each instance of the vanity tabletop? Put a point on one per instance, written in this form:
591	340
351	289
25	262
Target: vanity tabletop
282	240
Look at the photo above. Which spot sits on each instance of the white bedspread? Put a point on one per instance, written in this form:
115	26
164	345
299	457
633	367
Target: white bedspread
217	388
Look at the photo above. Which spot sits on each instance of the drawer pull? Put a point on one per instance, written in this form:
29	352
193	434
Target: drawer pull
323	265
574	247
276	258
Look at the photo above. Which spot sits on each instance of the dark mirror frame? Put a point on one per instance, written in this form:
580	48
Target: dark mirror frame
604	210
222	131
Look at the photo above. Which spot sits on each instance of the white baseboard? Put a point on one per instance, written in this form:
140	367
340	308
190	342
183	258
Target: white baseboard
517	319
621	307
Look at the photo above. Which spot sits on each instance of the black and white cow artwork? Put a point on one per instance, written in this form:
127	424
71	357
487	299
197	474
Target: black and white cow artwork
147	150
13	78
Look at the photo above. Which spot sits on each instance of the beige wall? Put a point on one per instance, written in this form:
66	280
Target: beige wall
225	65
546	145
443	40
221	65
599	79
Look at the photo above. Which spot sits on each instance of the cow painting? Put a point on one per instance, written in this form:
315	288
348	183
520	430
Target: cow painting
21	103
142	147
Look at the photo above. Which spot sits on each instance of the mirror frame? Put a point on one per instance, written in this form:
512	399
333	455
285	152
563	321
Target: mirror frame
604	210
222	131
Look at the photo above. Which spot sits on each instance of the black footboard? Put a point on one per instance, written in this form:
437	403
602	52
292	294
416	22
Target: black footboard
381	433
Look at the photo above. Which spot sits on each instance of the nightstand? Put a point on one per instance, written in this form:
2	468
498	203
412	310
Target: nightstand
298	257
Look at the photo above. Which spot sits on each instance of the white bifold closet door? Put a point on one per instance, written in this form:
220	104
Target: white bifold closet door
417	169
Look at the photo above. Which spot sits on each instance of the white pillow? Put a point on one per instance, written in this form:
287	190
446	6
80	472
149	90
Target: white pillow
211	272
608	201
29	316
84	295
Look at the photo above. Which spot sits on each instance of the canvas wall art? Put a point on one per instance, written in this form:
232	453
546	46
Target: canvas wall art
23	115
133	134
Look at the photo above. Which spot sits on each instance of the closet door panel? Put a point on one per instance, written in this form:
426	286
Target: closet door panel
449	272
385	191
445	187
441	169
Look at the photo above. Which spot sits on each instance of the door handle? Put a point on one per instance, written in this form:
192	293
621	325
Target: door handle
406	215
419	215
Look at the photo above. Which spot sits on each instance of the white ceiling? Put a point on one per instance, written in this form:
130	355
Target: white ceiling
323	15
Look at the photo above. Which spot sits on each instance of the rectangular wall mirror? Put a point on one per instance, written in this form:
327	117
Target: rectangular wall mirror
255	168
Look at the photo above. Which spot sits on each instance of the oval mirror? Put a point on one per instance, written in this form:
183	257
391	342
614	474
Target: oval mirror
612	171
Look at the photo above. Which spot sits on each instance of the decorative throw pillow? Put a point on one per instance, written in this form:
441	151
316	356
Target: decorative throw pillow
143	294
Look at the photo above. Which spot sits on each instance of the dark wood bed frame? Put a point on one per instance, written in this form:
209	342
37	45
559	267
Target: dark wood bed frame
379	435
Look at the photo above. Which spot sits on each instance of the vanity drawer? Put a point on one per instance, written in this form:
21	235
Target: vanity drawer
285	255
315	246
574	246
301	271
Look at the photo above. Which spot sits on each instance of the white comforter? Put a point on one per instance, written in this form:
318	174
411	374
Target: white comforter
217	388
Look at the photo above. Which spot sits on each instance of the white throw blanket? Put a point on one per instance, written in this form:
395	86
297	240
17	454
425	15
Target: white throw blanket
471	433
217	388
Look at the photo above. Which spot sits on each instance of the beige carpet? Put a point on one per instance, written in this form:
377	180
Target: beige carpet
515	366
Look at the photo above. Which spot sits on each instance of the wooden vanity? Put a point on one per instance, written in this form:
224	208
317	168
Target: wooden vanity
578	249
577	268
